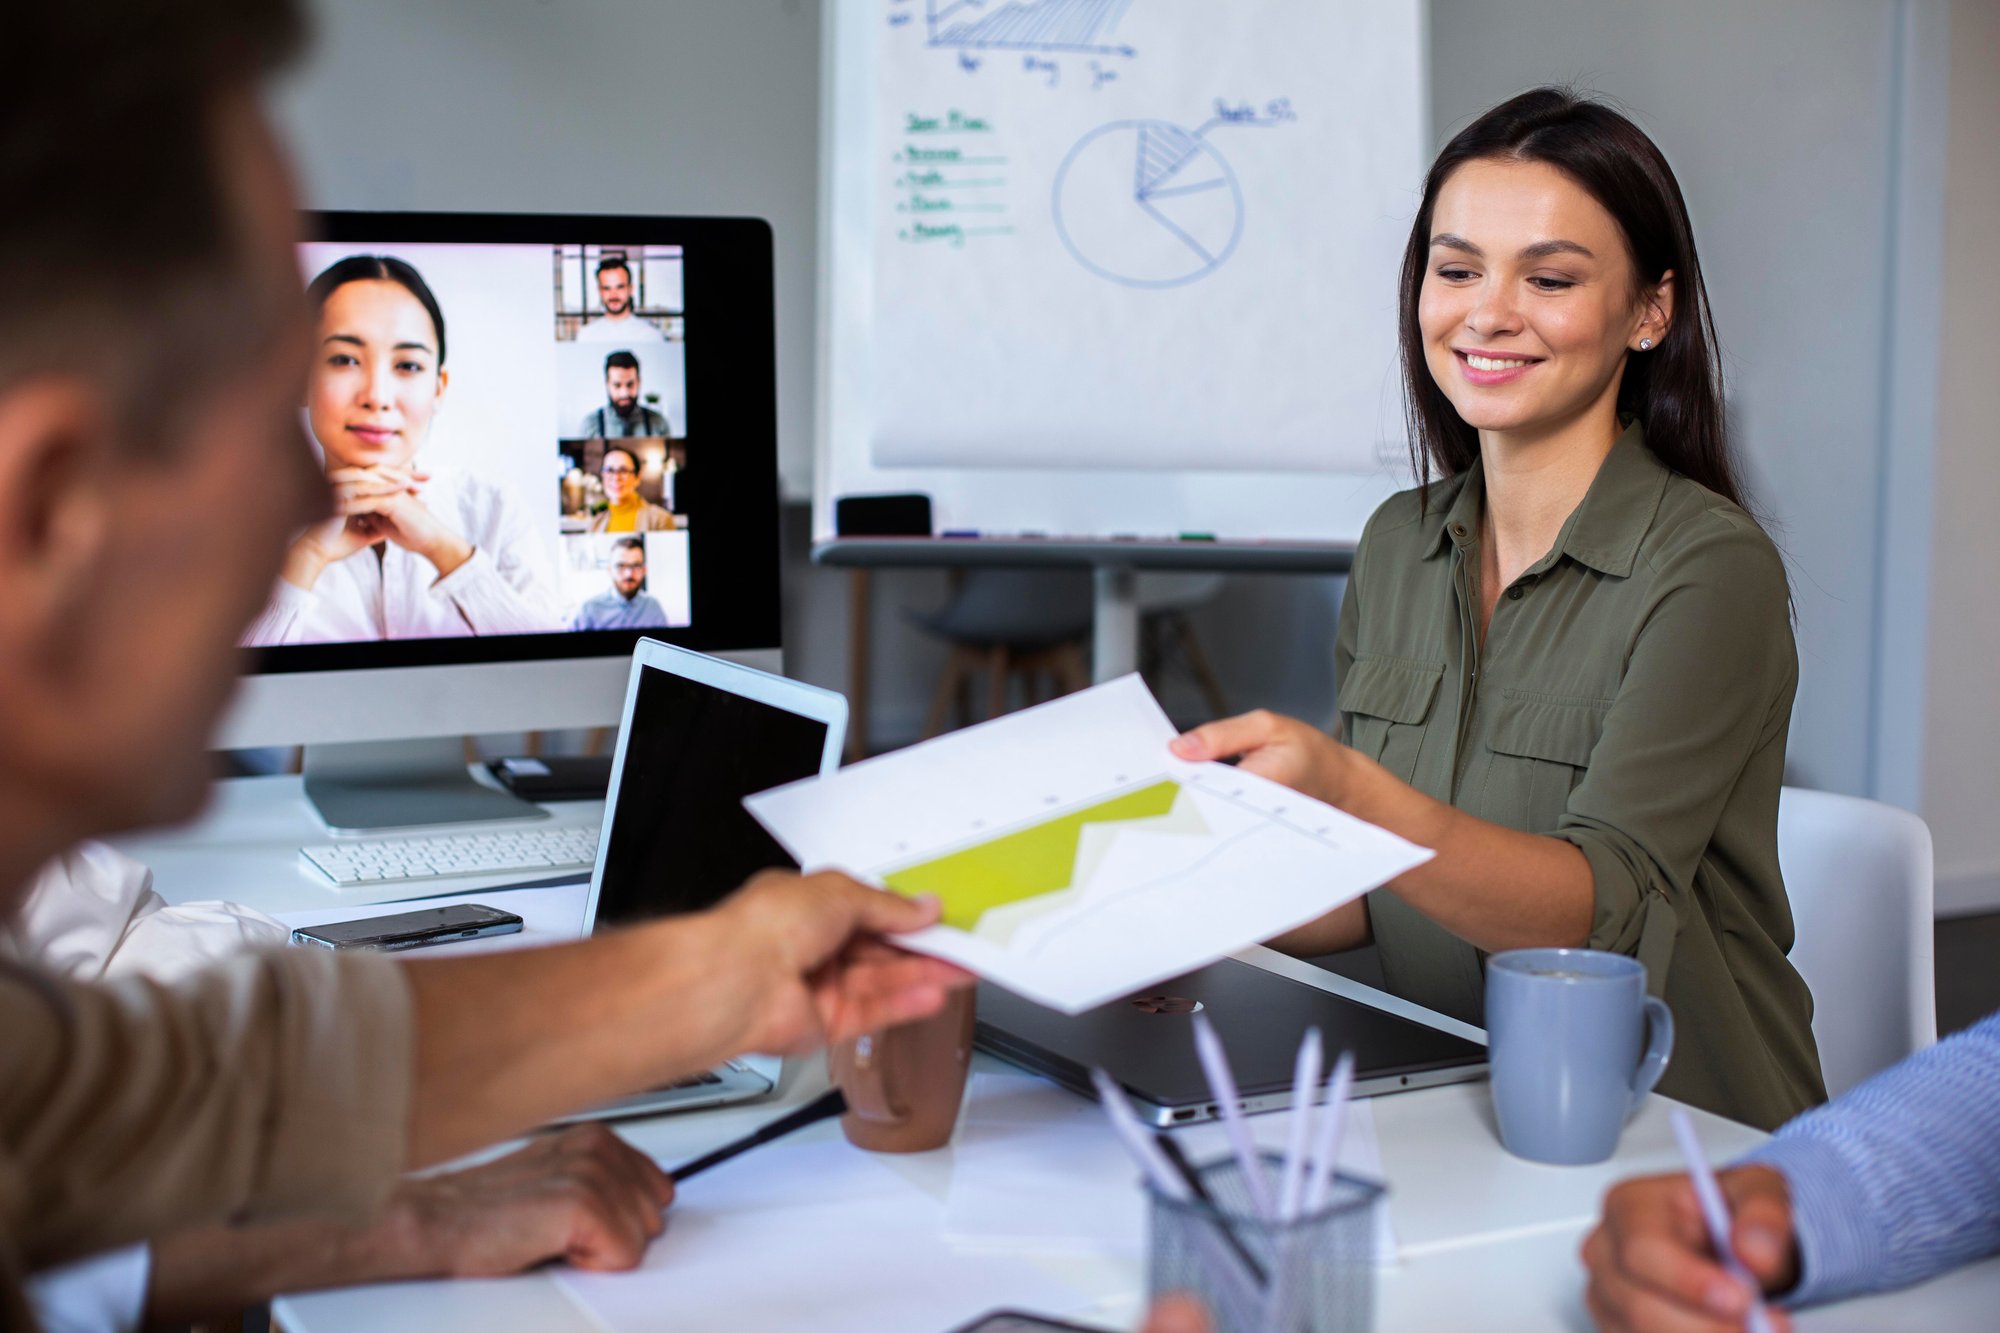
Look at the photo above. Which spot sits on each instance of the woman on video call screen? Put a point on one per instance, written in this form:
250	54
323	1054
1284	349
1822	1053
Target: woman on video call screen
463	501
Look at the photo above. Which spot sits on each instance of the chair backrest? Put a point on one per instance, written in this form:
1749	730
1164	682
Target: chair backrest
1859	876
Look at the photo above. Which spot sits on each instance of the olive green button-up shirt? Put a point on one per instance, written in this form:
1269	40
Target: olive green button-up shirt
1632	697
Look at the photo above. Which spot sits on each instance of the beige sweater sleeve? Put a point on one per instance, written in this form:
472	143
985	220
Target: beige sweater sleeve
270	1084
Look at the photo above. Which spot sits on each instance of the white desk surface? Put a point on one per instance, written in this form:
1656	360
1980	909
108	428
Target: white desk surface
1488	1241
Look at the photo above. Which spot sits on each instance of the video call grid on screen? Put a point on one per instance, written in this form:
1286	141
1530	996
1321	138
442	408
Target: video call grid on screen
639	362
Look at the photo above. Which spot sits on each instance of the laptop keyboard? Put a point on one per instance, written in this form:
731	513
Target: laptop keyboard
368	862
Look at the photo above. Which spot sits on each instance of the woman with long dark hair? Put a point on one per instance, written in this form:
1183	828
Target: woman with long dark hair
1565	659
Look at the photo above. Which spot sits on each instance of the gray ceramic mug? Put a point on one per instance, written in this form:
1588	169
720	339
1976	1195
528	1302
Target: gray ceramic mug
1569	1049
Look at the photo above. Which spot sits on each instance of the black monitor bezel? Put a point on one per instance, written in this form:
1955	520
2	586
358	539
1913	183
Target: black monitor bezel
727	293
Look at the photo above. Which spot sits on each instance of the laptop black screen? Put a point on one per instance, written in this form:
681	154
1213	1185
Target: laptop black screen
680	837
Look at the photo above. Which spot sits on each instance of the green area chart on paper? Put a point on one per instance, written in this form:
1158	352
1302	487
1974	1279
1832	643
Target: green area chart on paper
1027	863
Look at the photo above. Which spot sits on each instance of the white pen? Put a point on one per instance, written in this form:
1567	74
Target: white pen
1132	1132
1326	1141
1305	1090
1715	1212
1221	1083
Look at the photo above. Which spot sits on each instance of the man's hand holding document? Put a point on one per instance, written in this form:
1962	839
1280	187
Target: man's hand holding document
1076	858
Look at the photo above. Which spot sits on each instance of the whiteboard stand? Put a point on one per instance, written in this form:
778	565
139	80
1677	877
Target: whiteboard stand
1114	566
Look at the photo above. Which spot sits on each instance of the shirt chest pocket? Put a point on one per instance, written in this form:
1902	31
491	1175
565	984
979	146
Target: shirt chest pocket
1541	748
1385	703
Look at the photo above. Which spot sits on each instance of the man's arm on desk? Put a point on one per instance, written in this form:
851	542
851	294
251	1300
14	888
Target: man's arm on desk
294	1083
582	1196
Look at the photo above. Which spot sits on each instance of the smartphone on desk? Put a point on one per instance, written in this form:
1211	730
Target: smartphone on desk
411	930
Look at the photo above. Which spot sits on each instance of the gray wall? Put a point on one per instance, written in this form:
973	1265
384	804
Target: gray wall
1962	733
1777	118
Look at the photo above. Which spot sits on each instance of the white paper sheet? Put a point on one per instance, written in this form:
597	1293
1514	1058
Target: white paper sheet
808	1235
1174	865
548	916
1024	1142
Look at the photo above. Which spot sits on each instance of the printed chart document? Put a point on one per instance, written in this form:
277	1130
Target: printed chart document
1076	857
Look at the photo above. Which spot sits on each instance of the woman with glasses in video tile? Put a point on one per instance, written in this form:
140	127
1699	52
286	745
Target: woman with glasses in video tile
625	509
411	551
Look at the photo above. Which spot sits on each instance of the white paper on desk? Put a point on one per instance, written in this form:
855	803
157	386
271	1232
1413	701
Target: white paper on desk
1036	1170
808	1235
1080	857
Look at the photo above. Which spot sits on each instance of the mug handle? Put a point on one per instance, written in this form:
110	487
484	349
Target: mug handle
1659	1048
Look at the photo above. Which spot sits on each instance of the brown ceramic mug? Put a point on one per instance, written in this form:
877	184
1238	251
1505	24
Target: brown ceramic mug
904	1084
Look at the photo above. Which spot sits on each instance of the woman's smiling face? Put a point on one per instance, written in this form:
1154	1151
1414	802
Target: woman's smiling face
1529	302
376	382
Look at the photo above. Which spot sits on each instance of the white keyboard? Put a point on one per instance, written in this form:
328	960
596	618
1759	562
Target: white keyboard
366	862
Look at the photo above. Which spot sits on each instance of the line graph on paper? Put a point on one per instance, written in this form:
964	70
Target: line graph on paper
1050	27
1027	887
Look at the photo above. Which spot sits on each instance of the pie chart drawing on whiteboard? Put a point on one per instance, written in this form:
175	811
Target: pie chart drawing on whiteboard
1147	203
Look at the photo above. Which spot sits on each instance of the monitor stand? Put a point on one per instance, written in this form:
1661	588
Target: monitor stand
366	787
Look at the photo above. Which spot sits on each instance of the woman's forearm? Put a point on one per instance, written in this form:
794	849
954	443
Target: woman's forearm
1345	927
1495	887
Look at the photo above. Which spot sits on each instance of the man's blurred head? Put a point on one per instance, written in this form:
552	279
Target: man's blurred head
628	566
152	348
621	381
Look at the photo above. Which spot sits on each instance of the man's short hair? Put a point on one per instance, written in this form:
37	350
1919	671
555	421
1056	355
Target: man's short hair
628	544
609	262
122	242
621	361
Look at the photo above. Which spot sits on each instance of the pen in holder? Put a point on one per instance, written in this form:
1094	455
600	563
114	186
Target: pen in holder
1312	1275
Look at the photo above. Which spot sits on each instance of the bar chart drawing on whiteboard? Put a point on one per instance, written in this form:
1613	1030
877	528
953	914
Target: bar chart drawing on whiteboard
1082	27
1147	203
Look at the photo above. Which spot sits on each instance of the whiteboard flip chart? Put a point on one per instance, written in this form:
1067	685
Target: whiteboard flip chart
1126	230
1099	238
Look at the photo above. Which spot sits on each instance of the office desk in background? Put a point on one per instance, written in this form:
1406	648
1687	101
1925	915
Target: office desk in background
1487	1241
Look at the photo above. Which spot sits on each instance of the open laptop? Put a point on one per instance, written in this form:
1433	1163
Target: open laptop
1146	1041
698	735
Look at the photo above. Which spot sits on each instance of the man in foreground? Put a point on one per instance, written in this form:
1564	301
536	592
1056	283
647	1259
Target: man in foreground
152	340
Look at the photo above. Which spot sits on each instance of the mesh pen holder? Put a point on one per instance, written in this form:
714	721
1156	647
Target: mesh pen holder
1313	1275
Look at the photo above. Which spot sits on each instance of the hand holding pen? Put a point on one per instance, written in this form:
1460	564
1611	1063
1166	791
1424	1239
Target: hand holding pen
1652	1263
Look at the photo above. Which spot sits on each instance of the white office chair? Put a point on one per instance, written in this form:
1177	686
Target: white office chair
1859	876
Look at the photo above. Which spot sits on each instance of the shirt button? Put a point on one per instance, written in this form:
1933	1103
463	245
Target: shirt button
1458	529
1514	593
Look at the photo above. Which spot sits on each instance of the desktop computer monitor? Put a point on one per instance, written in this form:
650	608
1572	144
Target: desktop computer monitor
546	437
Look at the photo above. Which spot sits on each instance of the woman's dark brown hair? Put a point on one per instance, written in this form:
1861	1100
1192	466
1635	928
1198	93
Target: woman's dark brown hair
1675	389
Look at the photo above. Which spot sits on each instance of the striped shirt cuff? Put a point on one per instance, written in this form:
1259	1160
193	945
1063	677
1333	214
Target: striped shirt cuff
1840	1254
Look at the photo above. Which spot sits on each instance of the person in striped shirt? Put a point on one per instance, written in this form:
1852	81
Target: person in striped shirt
1895	1181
